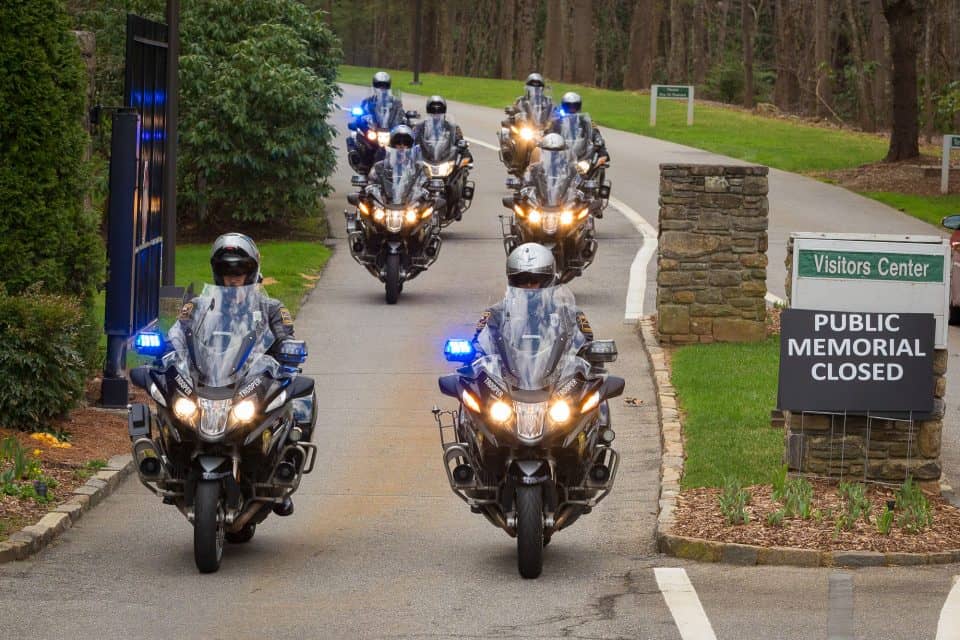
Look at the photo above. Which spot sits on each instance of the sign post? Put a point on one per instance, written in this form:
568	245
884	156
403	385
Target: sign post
672	92
950	142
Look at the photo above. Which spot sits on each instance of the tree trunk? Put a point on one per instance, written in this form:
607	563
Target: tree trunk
524	62
903	18
880	63
822	56
701	44
583	67
786	88
722	31
856	48
746	27
448	19
642	50
677	62
553	40
507	20
928	79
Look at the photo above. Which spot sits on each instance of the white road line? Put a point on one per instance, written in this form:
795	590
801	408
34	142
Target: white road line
775	300
481	143
636	288
840	621
949	626
684	605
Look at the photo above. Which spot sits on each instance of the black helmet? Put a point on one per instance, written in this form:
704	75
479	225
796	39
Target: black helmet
534	80
571	102
436	104
381	80
531	264
234	254
401	135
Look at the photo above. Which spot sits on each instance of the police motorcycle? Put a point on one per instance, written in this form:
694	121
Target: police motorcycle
445	159
557	208
529	447
371	124
395	229
577	131
524	127
228	441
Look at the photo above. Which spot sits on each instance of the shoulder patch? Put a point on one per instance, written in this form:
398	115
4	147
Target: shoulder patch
483	321
285	317
584	325
186	311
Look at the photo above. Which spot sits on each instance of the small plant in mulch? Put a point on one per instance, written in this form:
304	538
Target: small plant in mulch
21	473
855	505
733	502
914	508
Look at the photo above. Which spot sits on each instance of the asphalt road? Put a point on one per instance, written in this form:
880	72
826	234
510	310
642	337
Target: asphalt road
380	548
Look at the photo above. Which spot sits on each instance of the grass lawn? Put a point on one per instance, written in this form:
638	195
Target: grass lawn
928	208
727	426
783	144
285	262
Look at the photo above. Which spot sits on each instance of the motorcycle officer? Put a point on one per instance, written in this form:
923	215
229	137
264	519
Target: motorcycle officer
534	100
382	98
552	154
235	262
401	139
571	105
436	120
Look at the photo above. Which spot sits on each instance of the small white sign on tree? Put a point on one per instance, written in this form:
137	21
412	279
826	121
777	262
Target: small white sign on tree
950	142
671	92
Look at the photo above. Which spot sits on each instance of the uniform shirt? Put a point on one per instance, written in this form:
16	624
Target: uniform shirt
278	317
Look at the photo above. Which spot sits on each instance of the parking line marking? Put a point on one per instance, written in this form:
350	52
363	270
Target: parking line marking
948	628
840	615
684	605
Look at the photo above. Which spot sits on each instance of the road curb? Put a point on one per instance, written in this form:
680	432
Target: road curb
31	539
672	457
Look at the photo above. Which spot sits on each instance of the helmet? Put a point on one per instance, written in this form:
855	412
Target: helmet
436	104
401	135
381	80
234	254
553	142
571	102
531	264
534	80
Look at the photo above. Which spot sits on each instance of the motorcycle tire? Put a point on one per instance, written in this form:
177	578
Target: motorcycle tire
208	529
392	282
530	531
244	535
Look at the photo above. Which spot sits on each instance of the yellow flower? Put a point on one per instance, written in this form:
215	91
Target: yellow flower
37	452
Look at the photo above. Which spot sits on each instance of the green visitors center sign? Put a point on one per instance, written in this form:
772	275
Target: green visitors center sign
859	265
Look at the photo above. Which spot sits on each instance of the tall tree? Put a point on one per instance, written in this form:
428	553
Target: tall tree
553	40
856	49
822	56
526	37
506	24
642	50
583	65
746	27
903	18
677	62
700	50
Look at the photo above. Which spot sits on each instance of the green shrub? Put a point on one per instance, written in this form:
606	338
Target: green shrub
798	498
915	511
41	363
46	235
258	79
855	505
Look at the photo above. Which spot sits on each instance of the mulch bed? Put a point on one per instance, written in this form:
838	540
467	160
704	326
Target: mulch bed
698	515
95	434
900	177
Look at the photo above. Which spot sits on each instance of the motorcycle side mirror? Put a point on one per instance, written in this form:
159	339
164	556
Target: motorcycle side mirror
352	126
301	387
599	351
462	144
613	387
951	222
140	377
512	182
353	198
604	191
448	385
510	111
358	181
412	114
509	201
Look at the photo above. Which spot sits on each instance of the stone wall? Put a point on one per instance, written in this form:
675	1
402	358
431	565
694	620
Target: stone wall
712	262
876	449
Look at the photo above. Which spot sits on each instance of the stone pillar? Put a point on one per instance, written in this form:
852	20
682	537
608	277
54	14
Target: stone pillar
876	449
712	254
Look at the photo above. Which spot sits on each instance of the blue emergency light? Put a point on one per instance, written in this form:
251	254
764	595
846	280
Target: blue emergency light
148	343
357	111
459	350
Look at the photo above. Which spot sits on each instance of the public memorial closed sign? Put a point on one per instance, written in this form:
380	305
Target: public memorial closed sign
854	361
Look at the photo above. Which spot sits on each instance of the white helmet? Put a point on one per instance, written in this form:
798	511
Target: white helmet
531	264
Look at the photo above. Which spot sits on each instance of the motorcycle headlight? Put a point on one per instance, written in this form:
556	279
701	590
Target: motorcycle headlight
185	408
500	411
530	419
560	411
411	216
551	220
213	416
527	133
583	166
156	395
383	138
566	217
441	170
244	410
534	216
394	220
590	402
470	401
371	135
379	214
427	212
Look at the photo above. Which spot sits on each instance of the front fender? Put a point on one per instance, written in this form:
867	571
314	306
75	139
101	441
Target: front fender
529	471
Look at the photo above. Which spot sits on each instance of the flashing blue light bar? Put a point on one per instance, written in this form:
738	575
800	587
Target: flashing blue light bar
357	111
148	343
292	352
459	350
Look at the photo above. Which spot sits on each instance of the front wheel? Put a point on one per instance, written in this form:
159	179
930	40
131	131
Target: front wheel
393	278
530	530
208	530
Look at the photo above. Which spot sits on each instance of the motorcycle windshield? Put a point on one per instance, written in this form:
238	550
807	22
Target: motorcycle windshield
437	143
399	177
535	336
577	130
387	111
230	333
556	177
539	111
